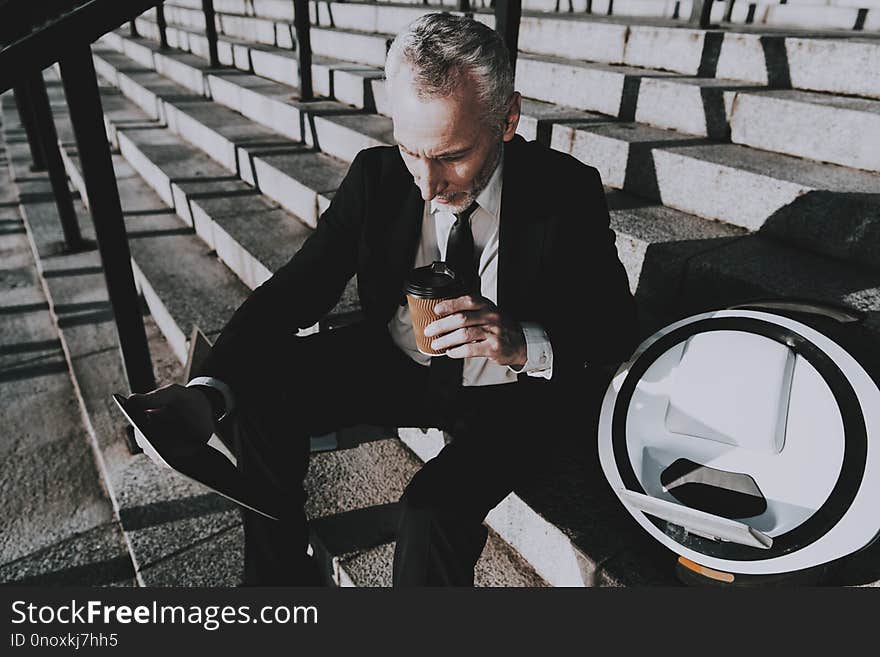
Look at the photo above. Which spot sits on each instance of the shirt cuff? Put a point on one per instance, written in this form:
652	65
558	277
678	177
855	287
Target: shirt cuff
222	388
539	353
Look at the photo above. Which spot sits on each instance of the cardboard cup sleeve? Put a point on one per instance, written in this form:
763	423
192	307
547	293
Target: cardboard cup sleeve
422	313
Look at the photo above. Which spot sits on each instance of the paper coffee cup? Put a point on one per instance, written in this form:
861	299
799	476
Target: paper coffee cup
425	288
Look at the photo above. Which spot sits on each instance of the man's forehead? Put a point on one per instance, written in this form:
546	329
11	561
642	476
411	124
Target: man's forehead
432	138
435	123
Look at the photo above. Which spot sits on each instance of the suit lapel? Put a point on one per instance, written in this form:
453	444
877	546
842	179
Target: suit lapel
521	230
402	239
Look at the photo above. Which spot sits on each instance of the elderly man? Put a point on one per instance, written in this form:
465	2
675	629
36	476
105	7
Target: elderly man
550	304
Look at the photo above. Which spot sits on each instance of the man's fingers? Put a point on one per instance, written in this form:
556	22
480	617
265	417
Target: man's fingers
459	320
469	350
466	302
459	336
156	398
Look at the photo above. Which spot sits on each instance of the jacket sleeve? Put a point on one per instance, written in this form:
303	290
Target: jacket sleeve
298	294
591	316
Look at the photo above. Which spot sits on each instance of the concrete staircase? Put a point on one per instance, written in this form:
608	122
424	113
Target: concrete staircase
739	163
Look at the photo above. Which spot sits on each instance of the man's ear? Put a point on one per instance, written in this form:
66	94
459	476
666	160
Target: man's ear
513	113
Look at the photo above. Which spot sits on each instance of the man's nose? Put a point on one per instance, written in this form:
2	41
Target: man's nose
428	179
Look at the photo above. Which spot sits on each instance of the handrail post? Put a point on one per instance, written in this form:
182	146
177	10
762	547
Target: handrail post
162	25
26	112
86	115
211	32
48	137
507	19
701	12
302	25
728	11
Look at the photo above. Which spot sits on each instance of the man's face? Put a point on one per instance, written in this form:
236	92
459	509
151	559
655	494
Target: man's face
444	142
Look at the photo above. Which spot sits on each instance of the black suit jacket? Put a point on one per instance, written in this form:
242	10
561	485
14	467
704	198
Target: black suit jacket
558	264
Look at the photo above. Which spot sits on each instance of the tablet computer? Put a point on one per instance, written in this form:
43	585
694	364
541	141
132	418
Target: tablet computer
162	440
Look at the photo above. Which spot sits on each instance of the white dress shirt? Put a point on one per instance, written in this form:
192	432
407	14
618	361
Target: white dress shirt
436	224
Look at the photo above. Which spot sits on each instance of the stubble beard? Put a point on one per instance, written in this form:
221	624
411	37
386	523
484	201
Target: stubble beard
464	199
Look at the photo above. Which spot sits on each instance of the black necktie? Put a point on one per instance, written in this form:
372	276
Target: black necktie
446	372
460	249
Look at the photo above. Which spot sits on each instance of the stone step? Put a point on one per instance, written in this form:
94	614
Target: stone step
813	17
537	119
673	9
802	62
838	129
273	163
353	506
386	18
605	88
352	46
825	208
678	264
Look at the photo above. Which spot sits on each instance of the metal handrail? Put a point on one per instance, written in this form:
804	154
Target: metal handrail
211	32
47	44
65	37
508	15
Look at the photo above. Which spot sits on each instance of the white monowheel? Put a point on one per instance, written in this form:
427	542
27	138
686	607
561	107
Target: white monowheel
746	440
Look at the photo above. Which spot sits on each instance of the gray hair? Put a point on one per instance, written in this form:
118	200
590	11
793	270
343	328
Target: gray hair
441	49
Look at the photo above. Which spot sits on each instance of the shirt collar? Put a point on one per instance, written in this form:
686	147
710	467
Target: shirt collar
489	199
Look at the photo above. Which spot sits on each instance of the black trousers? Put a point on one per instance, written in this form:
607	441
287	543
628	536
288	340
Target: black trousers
356	375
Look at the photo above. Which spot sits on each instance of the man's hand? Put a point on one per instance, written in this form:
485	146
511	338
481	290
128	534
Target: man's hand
187	409
473	326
